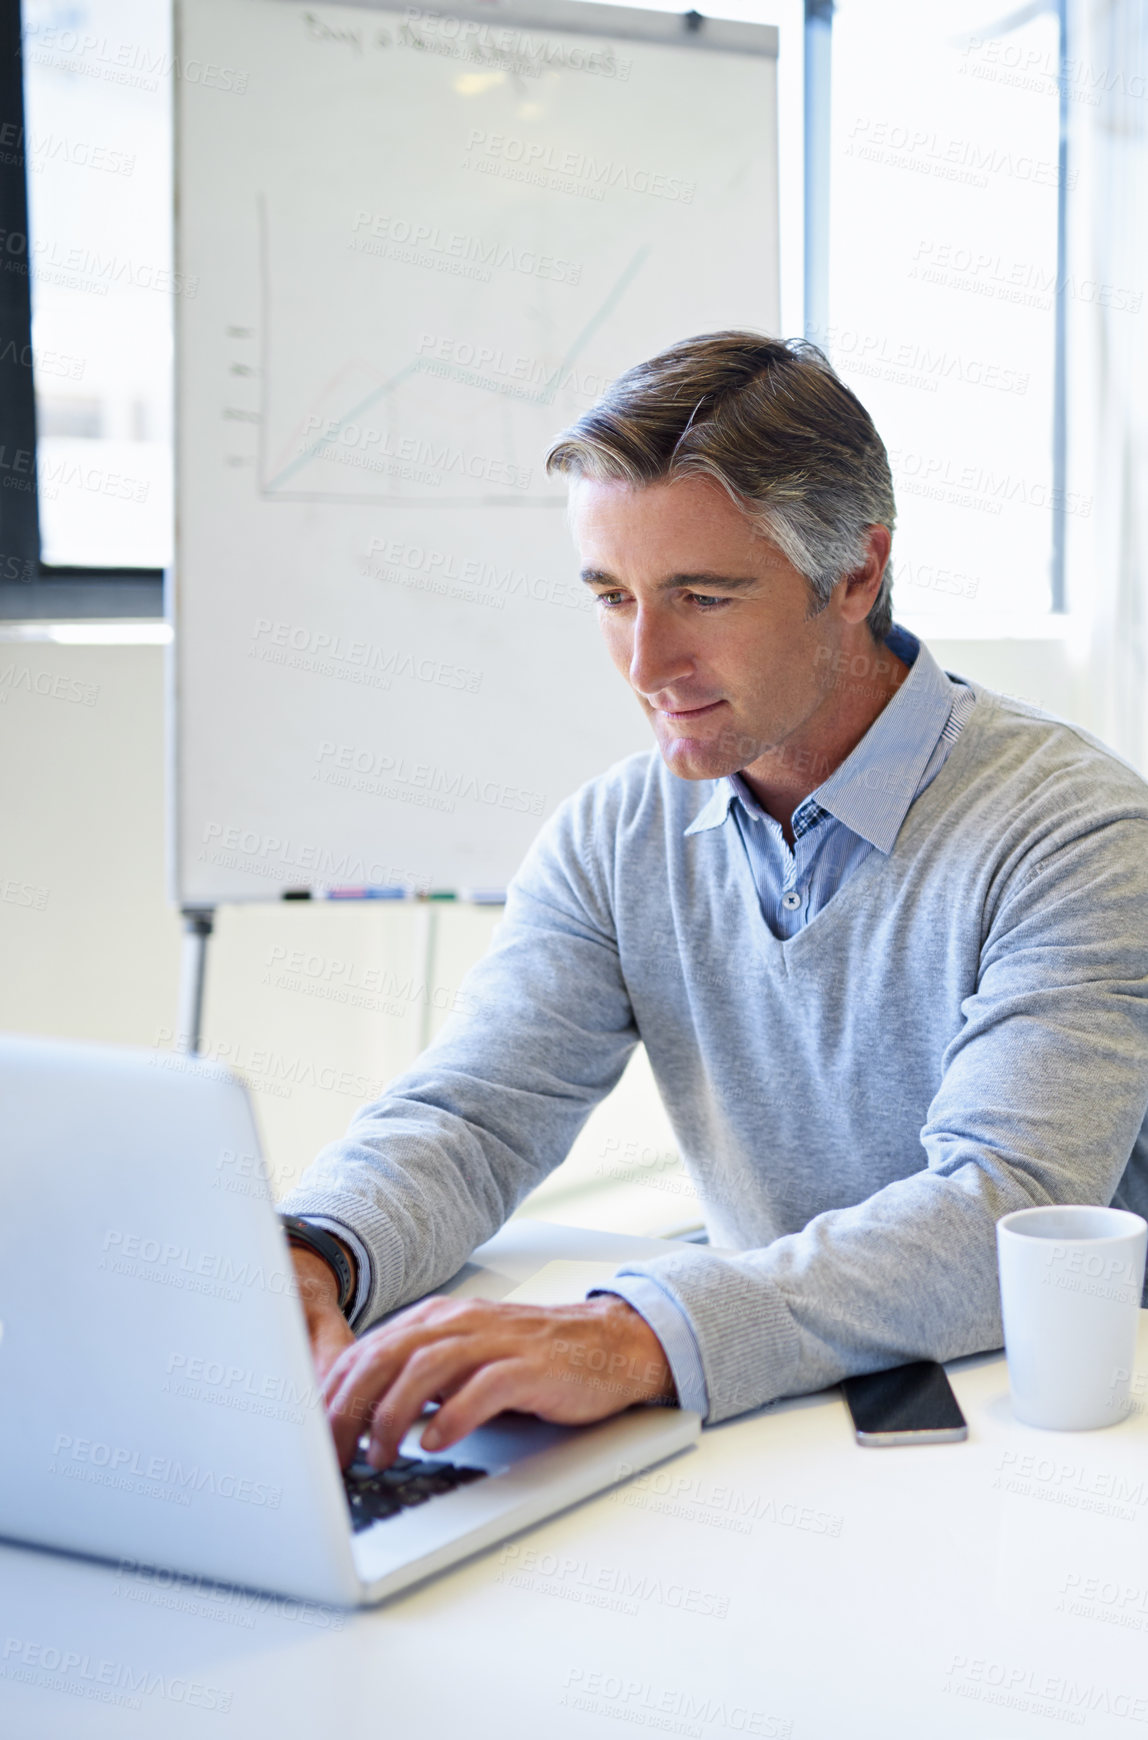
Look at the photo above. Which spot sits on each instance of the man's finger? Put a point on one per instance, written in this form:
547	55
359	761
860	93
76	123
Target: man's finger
363	1372
368	1374
354	1384
374	1351
421	1378
505	1383
419	1323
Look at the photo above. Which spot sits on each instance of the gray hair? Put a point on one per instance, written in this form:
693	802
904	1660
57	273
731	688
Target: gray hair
770	422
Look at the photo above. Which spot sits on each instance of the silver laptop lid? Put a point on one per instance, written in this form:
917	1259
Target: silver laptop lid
156	1386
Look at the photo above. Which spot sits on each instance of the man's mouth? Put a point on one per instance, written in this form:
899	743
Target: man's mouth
688	713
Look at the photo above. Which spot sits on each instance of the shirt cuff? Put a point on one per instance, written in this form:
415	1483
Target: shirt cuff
675	1332
360	1253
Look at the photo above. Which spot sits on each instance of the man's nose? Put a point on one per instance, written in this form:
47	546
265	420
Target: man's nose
659	655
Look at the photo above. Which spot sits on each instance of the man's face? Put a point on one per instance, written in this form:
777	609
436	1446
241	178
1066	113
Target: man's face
709	623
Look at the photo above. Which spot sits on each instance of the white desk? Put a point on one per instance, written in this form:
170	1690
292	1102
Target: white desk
776	1580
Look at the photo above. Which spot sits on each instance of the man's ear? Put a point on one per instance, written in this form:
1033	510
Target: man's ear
860	589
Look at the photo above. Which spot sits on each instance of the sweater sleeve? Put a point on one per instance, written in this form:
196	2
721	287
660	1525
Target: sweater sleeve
1042	1094
544	1032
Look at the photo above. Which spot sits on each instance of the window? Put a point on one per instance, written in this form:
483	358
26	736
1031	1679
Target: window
97	155
942	298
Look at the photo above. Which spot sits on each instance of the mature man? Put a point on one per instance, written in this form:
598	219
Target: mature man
883	933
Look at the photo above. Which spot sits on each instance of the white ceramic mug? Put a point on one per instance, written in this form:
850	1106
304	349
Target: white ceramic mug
1071	1280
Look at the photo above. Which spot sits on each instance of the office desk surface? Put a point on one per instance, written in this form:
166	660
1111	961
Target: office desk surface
777	1580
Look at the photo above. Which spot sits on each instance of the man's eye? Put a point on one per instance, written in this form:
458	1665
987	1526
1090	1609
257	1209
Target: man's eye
609	599
705	601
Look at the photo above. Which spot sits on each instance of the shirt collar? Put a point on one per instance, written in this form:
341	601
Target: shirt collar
872	789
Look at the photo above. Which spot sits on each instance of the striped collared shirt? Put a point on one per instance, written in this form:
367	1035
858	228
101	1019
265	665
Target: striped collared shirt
859	808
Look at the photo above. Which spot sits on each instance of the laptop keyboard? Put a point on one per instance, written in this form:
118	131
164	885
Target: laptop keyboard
376	1493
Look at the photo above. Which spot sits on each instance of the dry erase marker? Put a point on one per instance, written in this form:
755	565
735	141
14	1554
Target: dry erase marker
364	894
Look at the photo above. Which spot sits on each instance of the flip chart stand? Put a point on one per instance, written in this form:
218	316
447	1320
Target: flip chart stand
198	924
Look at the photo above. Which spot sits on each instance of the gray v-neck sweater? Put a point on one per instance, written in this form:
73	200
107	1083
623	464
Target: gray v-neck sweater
961	1031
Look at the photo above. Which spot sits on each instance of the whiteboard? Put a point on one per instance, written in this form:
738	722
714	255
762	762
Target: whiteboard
411	247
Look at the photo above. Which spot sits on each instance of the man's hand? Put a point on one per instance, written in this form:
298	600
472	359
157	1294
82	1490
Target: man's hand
566	1363
327	1328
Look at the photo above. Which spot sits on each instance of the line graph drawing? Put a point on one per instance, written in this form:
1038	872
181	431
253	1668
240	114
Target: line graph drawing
283	477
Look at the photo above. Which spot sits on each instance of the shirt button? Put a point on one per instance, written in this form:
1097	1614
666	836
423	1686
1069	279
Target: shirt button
791	901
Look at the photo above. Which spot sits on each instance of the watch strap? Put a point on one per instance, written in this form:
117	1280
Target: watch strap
325	1245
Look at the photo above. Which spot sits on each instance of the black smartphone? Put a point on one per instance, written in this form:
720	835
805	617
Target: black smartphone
911	1404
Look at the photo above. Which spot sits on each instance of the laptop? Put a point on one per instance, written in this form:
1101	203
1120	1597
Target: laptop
159	1402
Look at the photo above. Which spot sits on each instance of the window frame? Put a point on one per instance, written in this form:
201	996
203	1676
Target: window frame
30	590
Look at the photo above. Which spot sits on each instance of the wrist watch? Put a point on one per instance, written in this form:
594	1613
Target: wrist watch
317	1239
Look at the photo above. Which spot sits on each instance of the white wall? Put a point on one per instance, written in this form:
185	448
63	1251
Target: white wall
81	796
1051	672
